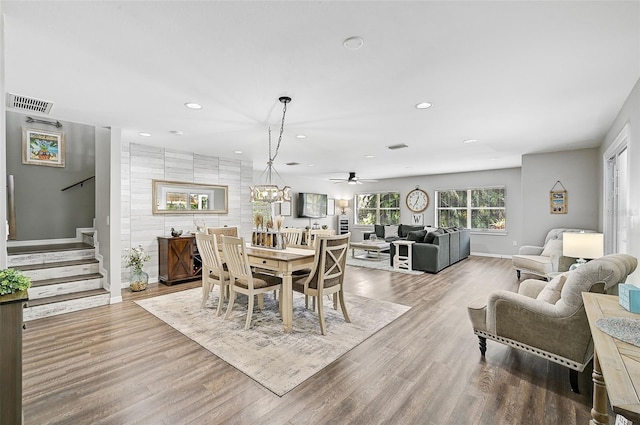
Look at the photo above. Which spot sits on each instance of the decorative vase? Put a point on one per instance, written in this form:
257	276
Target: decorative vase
139	280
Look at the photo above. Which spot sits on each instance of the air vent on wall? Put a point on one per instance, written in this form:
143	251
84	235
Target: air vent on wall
28	103
398	146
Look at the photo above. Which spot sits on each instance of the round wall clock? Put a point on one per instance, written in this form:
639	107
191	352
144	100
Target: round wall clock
417	200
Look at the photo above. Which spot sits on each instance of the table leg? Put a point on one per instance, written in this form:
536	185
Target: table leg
287	301
599	411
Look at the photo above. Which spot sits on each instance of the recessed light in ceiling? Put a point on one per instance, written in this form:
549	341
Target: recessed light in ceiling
143	134
353	43
192	105
177	132
423	105
238	152
311	165
369	156
398	146
466	142
301	136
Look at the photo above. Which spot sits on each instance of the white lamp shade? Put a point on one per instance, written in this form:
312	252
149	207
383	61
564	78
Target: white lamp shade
582	245
343	203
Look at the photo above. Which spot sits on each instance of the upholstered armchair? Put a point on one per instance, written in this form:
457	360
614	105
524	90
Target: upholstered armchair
543	260
548	318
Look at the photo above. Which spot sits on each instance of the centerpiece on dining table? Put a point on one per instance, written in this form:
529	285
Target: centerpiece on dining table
267	234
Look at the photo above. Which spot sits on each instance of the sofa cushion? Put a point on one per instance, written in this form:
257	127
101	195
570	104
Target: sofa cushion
552	290
552	246
417	235
431	236
405	229
391	231
379	230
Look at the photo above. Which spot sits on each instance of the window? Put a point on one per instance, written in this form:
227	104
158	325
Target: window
476	209
378	208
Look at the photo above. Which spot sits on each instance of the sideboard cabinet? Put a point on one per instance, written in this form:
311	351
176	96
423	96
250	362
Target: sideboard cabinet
178	259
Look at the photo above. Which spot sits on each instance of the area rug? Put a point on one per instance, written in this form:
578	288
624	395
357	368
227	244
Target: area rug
276	360
382	264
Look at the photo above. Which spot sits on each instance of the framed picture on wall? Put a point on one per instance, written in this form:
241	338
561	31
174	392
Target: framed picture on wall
558	202
41	147
417	219
285	208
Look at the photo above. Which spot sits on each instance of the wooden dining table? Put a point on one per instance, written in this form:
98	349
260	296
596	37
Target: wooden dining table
283	262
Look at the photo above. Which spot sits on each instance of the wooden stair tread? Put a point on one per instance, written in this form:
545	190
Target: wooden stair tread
57	280
36	249
56	264
66	297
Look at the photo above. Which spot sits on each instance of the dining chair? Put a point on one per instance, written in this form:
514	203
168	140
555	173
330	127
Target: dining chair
311	235
213	271
243	280
293	235
219	231
327	274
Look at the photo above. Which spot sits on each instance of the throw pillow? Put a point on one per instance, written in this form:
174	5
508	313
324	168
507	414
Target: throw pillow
391	231
417	235
430	237
551	246
551	292
379	229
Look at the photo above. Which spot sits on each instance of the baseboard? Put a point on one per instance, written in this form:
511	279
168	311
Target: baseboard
486	254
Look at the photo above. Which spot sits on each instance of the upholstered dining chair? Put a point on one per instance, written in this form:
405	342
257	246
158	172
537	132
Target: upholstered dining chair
219	231
327	275
213	272
311	235
294	236
243	280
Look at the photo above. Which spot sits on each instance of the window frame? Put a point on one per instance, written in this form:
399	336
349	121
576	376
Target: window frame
470	208
377	208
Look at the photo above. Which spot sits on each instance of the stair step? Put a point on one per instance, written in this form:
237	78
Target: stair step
64	285
40	254
66	303
60	269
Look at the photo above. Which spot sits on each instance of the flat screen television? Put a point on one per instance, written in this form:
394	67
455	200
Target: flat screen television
312	205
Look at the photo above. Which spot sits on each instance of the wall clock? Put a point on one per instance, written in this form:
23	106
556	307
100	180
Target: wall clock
417	200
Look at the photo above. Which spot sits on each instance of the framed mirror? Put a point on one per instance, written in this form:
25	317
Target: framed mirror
189	198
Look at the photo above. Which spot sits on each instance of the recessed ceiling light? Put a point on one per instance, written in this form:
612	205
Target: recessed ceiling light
469	141
301	136
423	105
353	43
192	105
145	134
369	156
311	165
177	132
238	152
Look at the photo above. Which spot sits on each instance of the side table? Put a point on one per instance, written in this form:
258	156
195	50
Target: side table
402	261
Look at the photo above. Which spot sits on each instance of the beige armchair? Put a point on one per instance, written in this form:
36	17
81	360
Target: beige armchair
543	260
548	318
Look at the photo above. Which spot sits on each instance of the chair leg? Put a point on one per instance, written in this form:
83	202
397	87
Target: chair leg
483	345
320	314
260	301
306	301
335	300
518	274
573	380
206	289
343	307
247	325
220	300
232	299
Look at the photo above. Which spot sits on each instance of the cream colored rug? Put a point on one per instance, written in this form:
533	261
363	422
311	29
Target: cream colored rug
265	353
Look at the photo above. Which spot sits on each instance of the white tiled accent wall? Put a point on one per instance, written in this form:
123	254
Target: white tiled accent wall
141	164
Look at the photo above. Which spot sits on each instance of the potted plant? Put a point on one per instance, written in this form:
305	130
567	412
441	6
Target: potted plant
136	259
12	280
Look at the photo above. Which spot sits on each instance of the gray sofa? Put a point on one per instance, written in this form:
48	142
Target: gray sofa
434	250
403	231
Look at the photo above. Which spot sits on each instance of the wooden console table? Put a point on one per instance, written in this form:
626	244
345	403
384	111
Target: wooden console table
616	364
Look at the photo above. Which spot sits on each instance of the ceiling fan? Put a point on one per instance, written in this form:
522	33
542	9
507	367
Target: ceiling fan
352	179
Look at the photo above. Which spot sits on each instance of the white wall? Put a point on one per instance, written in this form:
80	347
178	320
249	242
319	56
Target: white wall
577	170
629	114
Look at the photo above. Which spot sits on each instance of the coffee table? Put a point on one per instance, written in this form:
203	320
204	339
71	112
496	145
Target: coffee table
369	247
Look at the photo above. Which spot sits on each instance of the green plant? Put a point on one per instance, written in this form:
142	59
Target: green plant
136	258
12	280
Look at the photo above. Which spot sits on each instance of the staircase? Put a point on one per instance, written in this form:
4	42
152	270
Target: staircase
65	277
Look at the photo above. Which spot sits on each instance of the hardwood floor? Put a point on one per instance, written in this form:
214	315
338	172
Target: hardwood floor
119	364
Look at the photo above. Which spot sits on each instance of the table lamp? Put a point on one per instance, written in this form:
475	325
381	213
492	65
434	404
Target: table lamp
343	203
582	246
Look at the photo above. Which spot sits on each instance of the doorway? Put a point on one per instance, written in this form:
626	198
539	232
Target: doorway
616	189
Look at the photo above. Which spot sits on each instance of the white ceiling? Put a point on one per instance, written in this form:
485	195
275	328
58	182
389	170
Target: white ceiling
520	77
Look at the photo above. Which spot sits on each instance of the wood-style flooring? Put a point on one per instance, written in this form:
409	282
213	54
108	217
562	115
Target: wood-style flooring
119	364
